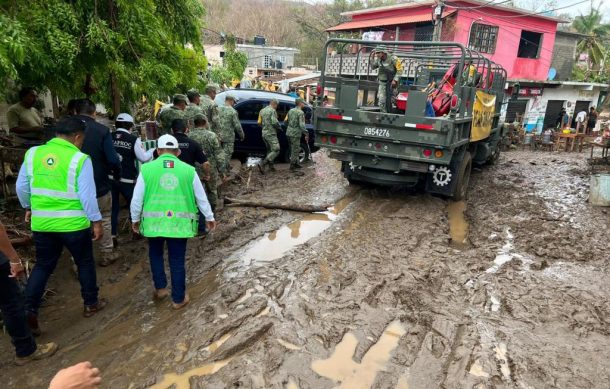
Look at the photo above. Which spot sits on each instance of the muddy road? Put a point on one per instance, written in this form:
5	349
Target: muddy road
388	289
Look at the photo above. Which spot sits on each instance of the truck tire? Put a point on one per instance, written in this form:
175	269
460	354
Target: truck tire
461	186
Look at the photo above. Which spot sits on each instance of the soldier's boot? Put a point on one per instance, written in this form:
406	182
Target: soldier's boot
271	167
261	166
293	167
298	166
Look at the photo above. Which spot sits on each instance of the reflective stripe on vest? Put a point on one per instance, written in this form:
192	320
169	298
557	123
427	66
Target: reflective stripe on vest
30	162
72	213
124	180
54	193
178	215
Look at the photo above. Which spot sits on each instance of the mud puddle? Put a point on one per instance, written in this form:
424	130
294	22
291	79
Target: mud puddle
341	367
182	381
458	226
276	244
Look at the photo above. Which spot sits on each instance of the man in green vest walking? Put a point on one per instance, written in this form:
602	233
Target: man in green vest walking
164	209
56	187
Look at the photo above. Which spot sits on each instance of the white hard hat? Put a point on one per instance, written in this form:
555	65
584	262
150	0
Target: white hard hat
167	142
124	117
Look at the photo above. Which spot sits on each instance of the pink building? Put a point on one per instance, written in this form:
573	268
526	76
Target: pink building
520	42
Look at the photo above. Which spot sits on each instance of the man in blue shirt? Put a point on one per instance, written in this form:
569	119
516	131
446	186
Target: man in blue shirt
60	201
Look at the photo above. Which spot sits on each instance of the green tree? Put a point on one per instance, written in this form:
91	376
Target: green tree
112	50
235	61
594	44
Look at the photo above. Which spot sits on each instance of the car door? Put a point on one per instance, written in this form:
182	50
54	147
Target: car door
248	116
282	112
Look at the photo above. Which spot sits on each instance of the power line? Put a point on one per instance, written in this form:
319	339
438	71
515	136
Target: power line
532	13
488	4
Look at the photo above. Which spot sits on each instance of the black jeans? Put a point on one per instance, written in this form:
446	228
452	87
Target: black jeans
126	190
11	305
49	246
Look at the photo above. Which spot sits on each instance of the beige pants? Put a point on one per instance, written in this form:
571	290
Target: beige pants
105	205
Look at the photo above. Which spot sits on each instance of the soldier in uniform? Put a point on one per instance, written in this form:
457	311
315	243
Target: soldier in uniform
168	115
210	109
229	127
296	127
193	108
216	157
389	70
270	124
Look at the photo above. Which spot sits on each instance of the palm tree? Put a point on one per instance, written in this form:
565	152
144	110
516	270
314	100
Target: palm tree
597	34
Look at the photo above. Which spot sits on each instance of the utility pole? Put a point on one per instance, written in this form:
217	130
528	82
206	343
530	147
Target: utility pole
438	20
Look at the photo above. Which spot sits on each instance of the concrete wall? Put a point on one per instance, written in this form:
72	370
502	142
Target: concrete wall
256	55
564	55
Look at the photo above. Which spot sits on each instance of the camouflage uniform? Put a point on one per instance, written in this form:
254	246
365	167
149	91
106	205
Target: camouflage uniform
166	116
270	128
390	70
210	110
296	127
211	147
229	127
190	112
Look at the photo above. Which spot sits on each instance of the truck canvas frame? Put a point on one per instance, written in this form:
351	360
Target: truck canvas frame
443	116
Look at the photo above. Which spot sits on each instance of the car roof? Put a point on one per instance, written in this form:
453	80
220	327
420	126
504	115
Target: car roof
248	94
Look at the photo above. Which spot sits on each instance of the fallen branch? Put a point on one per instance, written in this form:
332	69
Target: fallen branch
270	205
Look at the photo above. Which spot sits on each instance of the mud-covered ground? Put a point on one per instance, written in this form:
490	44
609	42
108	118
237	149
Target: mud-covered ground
373	293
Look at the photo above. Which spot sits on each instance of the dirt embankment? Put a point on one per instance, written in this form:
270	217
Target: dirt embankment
373	293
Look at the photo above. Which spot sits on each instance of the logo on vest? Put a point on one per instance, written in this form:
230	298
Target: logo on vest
168	164
169	213
50	161
168	181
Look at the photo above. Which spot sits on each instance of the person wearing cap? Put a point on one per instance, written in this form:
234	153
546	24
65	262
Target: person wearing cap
389	72
296	128
175	111
164	207
229	127
106	163
130	149
271	126
210	109
215	154
193	107
56	187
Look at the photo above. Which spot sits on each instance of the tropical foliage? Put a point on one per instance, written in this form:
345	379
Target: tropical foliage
113	50
594	45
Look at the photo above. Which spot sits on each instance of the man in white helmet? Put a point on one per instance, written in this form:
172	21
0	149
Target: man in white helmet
130	149
166	199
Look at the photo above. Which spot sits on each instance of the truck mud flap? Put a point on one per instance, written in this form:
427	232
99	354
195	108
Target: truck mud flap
443	179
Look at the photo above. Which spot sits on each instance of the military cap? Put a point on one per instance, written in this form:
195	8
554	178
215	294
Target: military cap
211	88
274	101
200	116
179	98
192	93
299	101
230	97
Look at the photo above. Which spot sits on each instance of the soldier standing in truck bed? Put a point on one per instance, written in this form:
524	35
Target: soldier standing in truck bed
389	71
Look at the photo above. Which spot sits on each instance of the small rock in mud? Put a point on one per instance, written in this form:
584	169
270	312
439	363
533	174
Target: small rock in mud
539	265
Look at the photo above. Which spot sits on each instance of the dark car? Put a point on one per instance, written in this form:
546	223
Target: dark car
249	103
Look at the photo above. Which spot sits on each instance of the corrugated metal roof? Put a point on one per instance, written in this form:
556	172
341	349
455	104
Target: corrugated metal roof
425	16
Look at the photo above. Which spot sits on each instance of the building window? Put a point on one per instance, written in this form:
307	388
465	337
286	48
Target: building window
483	38
529	44
267	62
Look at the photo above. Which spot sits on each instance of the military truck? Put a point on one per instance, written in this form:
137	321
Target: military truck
442	117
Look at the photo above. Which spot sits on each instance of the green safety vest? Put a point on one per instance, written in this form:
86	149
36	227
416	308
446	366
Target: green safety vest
169	209
52	170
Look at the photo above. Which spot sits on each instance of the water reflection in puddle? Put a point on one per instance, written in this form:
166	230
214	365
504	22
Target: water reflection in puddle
458	226
342	368
182	381
277	243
